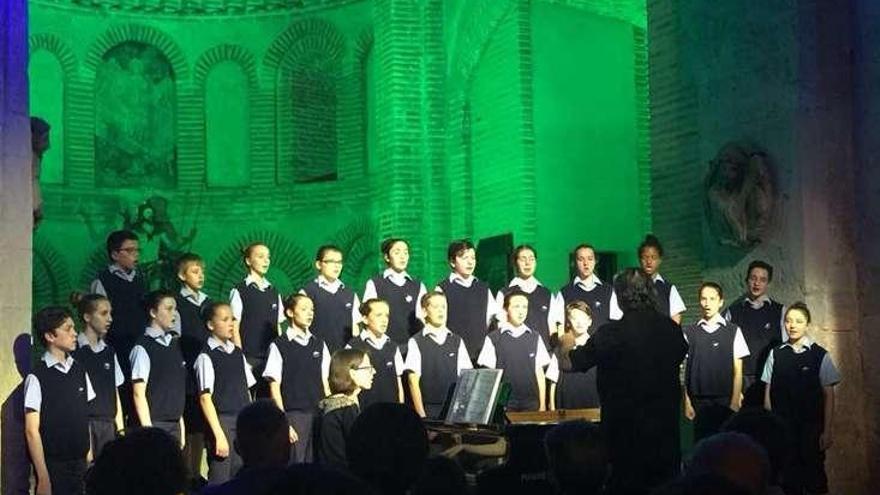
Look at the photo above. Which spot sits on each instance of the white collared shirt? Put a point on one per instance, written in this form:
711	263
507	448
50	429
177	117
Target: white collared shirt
489	359
378	343
439	335
262	284
194	298
740	348
333	287
676	304
588	284
33	391
83	341
140	360
491	306
758	304
555	312
204	367
274	369
97	287
399	279
828	373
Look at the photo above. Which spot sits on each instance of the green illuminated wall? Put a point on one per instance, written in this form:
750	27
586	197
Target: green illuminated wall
337	121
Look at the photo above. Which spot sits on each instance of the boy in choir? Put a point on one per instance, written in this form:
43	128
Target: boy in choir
800	378
544	306
191	301
713	369
336	306
470	302
760	319
587	287
297	370
158	371
56	407
384	354
650	256
258	310
223	380
100	362
434	359
401	290
521	353
574	389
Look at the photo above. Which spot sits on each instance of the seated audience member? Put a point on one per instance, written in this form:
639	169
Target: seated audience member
440	476
146	461
317	479
703	484
387	447
734	456
576	457
771	432
263	442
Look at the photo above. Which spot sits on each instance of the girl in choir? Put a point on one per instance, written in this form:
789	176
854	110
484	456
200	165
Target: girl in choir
574	389
400	289
668	299
100	361
257	309
587	287
336	306
544	312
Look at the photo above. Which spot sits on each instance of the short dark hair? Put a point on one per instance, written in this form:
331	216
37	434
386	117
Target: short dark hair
650	241
517	292
187	259
426	298
517	250
48	319
259	427
291	301
387	244
635	290
457	247
342	363
576	456
117	238
580	246
712	285
86	304
802	307
146	461
152	299
763	265
579	305
247	250
766	428
210	310
319	256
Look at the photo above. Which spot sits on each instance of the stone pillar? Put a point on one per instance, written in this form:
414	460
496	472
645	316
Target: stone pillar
15	238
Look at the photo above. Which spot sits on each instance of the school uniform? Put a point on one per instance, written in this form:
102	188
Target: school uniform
338	413
437	356
222	371
761	321
403	294
599	297
60	392
668	298
470	309
105	373
574	389
193	336
712	347
520	352
337	310
797	375
157	361
300	363
258	308
545	308
388	362
126	291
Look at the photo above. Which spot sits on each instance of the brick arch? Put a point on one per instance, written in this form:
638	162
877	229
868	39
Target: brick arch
225	53
302	38
54	45
143	34
363	45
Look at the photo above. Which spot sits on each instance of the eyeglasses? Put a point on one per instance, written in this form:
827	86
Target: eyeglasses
129	250
332	262
363	368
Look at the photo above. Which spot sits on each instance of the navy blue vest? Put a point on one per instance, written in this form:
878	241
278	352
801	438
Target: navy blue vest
539	308
577	390
193	335
516	356
101	368
664	289
385	381
796	390
230	394
259	319
332	322
403	301
129	318
710	361
598	299
466	316
761	329
166	386
302	383
439	367
64	421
